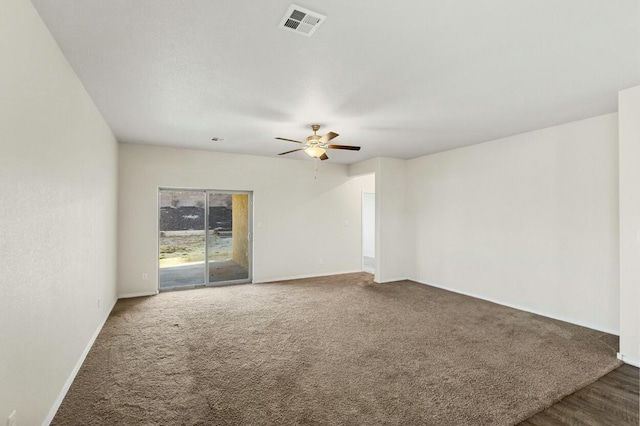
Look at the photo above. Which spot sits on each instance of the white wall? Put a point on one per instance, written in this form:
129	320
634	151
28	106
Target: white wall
57	217
629	121
395	243
302	226
395	240
369	224
529	221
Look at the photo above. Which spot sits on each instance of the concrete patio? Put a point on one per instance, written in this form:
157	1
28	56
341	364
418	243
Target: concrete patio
192	274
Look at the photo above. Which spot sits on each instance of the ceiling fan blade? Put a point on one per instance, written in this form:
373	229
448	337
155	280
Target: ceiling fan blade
349	147
289	152
289	140
326	138
324	157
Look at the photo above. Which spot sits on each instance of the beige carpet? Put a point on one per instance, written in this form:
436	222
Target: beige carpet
338	350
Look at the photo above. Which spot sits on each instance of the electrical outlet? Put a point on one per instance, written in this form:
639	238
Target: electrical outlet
98	302
145	276
12	420
321	261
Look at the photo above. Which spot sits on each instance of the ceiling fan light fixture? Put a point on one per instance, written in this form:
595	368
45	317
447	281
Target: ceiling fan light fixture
315	151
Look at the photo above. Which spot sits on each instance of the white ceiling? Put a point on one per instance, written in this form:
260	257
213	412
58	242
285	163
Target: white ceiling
400	78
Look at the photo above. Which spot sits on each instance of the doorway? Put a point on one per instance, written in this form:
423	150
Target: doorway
369	232
195	225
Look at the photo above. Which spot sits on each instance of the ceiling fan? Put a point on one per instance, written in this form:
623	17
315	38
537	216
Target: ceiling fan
316	146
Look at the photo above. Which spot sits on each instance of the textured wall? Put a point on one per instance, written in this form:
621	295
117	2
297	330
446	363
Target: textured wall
57	217
629	104
303	226
530	220
394	235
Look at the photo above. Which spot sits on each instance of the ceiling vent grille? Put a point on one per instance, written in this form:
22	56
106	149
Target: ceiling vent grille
302	21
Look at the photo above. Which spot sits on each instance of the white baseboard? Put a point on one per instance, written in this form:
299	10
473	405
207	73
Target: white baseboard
301	277
139	294
628	360
76	368
525	308
392	280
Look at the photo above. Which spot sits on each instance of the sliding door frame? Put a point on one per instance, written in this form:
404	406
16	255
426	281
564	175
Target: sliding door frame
249	278
205	268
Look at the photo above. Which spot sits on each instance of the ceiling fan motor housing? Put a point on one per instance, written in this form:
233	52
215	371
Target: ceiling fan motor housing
313	140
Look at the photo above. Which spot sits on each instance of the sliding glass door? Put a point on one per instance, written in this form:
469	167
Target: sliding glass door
195	225
181	238
228	237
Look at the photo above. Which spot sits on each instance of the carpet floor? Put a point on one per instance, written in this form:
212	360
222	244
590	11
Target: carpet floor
328	351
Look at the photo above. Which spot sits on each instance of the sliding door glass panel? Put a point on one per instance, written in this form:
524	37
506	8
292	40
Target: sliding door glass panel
228	236
181	239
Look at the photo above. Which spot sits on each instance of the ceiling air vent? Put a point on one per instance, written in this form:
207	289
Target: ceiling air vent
302	21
